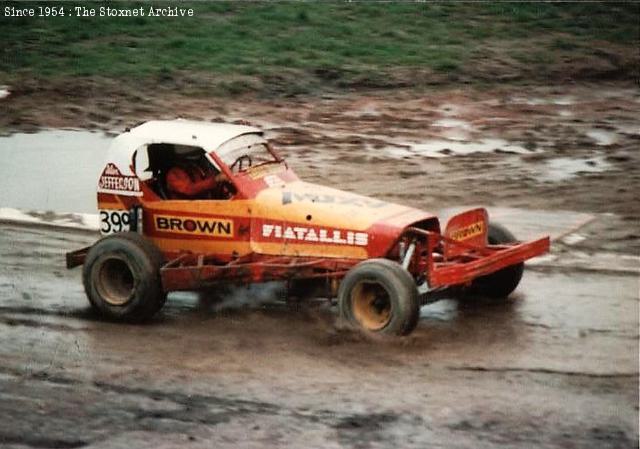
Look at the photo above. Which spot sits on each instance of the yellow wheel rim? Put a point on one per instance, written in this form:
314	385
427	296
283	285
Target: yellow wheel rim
371	305
115	282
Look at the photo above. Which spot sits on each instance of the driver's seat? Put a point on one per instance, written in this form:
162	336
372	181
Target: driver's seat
161	158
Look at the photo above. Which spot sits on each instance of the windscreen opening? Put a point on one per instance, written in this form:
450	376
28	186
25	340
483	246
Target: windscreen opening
246	152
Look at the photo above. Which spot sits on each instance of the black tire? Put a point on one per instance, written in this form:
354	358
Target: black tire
501	283
381	297
121	277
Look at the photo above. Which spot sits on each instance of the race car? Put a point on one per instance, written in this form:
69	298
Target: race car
260	223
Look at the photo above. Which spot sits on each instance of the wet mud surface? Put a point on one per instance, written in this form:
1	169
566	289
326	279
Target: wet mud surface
570	147
555	366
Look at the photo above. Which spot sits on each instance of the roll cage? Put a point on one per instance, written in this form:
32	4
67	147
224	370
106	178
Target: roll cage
238	165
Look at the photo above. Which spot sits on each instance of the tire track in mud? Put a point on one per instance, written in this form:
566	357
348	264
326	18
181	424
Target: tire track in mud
41	442
185	413
84	314
202	410
191	402
484	369
11	321
82	411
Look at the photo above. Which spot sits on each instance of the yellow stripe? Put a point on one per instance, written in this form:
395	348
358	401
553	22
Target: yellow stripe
240	208
301	249
111	205
243	247
202	246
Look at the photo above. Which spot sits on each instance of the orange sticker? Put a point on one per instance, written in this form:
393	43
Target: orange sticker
467	232
216	227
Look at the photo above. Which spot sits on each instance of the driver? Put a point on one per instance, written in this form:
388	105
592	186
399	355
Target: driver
189	178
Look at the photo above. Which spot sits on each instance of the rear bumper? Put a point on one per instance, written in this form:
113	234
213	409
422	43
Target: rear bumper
460	271
76	258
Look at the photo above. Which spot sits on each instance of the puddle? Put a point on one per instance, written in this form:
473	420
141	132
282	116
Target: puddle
452	123
444	310
52	170
367	110
601	137
563	168
563	101
537	101
398	152
573	239
84	221
445	148
453	129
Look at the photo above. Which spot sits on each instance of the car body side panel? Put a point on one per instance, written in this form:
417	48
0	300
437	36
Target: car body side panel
303	219
212	227
294	219
274	212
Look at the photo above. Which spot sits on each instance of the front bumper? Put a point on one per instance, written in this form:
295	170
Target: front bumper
463	270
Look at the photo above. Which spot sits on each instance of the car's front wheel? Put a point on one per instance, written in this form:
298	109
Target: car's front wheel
381	297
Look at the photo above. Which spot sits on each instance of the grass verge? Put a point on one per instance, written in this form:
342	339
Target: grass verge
291	48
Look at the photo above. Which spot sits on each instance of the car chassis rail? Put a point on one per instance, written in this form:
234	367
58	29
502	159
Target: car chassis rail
428	261
196	271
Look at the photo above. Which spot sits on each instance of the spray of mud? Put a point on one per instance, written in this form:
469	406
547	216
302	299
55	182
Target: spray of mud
270	309
251	296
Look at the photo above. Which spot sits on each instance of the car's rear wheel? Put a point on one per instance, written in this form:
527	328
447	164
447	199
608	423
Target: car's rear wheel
501	283
121	277
380	297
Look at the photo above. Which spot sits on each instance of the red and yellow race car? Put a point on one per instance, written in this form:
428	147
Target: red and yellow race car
259	222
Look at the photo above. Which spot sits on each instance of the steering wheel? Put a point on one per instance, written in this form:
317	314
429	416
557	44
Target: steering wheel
238	162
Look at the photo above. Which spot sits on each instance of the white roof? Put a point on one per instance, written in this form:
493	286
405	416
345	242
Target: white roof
207	135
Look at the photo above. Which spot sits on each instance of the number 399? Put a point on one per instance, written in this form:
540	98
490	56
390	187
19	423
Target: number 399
114	221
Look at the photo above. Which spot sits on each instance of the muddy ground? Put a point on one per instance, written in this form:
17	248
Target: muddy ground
569	147
555	366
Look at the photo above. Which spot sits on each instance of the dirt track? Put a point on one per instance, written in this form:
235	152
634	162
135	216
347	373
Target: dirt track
555	367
